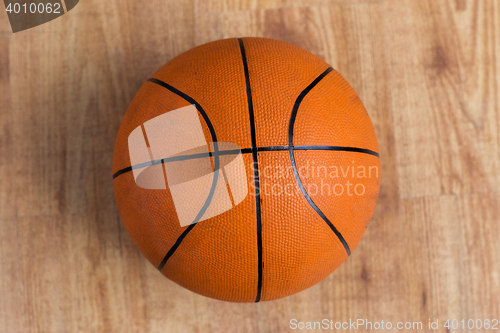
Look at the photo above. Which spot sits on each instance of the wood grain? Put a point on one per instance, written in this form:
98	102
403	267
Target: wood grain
482	253
4	23
202	6
428	74
452	251
7	198
69	271
10	304
434	258
444	78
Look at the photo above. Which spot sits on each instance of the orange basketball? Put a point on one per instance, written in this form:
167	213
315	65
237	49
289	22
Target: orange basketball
246	169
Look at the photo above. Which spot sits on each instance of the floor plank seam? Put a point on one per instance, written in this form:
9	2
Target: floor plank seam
92	211
448	195
197	13
400	220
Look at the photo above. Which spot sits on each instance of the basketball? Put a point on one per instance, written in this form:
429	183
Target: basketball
246	169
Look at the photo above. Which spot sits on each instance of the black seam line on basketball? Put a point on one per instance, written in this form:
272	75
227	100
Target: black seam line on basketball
337	148
216	168
243	151
292	158
255	167
176	159
317	147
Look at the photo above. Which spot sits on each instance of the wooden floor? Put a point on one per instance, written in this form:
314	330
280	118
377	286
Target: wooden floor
428	73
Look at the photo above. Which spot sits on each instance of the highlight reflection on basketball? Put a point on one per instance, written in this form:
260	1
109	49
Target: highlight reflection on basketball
191	166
